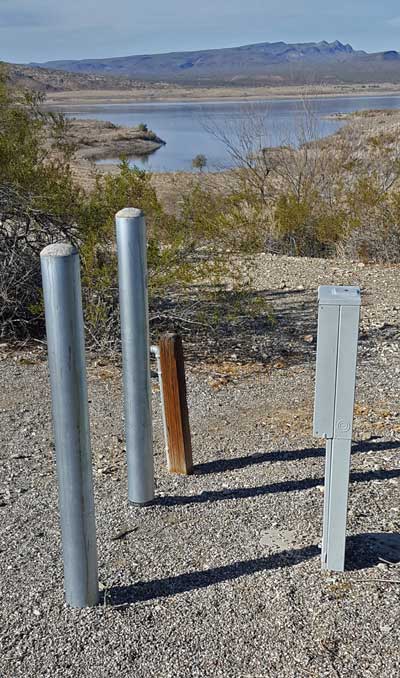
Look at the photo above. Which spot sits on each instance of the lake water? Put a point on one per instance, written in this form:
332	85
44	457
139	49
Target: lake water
185	125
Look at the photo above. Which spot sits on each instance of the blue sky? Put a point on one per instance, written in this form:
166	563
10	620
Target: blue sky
39	30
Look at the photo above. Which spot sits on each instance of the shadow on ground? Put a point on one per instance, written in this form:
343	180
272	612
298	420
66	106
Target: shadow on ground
274	488
362	551
190	581
369	549
222	465
254	326
259	326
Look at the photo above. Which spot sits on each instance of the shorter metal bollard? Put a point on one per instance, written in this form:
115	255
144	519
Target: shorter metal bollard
132	276
66	356
338	319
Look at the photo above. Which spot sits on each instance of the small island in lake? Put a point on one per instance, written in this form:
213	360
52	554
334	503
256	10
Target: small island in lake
100	139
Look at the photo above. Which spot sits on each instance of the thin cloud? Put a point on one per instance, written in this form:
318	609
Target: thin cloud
11	18
40	30
394	22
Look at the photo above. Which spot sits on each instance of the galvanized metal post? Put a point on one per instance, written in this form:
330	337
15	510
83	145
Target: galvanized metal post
66	356
132	272
338	319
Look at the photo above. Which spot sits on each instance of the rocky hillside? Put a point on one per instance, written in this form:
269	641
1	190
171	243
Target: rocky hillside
269	63
50	80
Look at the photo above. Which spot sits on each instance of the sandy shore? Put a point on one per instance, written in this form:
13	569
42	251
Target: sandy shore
173	94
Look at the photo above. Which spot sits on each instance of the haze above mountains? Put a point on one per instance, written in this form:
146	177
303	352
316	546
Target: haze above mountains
264	63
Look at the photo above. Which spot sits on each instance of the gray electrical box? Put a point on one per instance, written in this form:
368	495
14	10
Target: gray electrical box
337	341
338	318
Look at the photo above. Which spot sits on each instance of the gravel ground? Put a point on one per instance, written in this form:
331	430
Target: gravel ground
221	576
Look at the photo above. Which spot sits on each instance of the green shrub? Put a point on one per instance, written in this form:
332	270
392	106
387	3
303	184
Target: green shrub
40	203
199	162
316	200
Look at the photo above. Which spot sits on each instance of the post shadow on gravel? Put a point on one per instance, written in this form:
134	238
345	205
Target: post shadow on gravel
236	463
191	581
274	488
362	551
371	548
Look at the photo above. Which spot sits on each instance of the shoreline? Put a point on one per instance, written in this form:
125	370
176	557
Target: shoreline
96	140
81	98
103	141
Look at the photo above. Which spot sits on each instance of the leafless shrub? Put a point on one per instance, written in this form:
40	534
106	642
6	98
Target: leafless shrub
314	196
24	231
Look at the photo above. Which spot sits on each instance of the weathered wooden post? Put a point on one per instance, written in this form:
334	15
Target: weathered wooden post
179	446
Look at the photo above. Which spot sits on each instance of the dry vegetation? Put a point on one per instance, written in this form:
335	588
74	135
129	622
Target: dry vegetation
41	202
335	197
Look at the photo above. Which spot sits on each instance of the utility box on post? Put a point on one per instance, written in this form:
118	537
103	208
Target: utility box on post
338	320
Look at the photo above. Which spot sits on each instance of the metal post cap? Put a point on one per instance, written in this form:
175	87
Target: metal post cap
59	249
129	213
336	295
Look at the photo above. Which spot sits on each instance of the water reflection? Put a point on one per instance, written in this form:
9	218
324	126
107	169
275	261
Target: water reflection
185	126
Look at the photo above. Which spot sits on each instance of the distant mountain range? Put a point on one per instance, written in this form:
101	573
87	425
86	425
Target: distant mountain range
263	63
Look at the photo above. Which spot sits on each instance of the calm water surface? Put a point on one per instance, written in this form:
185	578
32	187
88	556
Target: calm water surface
183	125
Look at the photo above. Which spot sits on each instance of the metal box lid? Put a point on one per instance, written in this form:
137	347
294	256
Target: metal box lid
336	295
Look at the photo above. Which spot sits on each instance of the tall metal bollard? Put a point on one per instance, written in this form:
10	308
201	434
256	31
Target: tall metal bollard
338	318
65	340
132	273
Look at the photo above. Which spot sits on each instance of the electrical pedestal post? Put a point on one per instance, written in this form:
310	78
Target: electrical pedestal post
338	321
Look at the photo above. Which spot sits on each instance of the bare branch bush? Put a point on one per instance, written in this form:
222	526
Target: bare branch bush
24	231
245	140
313	196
